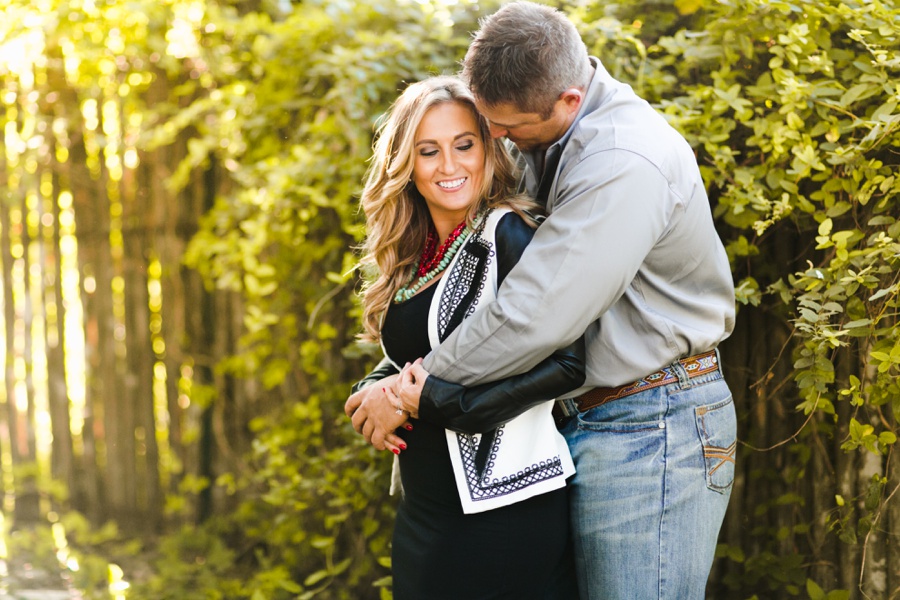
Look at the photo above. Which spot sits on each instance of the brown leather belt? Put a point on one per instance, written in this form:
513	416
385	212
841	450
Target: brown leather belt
694	366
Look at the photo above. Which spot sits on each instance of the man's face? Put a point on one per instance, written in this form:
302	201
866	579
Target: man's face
529	131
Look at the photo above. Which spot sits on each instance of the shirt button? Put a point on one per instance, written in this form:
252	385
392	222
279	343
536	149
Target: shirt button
662	424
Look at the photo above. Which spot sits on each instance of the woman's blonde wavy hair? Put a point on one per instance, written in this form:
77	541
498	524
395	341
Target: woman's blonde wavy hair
397	218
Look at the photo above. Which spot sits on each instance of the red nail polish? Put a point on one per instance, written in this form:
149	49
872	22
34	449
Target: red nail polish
408	427
395	451
403	446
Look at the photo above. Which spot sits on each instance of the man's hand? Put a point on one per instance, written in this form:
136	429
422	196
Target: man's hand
409	387
371	390
373	412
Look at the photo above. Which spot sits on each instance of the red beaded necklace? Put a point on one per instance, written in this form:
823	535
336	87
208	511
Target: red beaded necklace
431	254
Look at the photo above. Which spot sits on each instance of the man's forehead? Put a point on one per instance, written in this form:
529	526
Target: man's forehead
506	114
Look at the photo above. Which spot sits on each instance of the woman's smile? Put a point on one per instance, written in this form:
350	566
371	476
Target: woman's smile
453	184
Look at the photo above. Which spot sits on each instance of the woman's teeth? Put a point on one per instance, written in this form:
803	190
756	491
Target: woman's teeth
447	185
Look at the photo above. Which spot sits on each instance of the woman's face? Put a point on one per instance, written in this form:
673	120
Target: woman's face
449	163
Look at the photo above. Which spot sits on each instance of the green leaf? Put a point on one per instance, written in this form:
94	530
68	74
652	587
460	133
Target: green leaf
887	438
856	92
322	542
815	592
857	323
688	7
315	578
290	586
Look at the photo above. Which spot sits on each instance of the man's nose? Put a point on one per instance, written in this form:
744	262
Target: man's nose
497	131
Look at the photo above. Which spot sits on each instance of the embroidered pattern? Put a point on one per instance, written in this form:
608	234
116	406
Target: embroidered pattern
482	486
719	456
464	284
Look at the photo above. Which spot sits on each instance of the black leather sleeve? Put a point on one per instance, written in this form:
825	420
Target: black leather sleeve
381	370
487	406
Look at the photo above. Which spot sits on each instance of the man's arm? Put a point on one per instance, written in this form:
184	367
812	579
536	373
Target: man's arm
582	258
487	406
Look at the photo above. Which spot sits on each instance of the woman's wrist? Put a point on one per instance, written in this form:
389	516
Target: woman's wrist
409	407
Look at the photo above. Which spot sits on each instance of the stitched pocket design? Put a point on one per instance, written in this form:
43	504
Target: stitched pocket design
718	436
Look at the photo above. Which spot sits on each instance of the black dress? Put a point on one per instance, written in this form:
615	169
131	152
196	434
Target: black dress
518	551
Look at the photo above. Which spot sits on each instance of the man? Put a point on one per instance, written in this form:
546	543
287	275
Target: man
629	256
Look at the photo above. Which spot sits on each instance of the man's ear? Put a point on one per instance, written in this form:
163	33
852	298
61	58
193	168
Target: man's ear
572	98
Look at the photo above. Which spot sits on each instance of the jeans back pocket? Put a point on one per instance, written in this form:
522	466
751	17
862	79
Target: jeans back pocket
716	424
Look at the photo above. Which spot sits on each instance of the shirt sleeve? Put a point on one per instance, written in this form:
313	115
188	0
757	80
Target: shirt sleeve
608	215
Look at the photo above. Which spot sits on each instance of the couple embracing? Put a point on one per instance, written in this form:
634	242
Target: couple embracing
551	384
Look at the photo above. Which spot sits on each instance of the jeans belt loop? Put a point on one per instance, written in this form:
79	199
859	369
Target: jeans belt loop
563	410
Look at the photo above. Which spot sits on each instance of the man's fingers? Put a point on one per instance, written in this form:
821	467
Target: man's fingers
378	441
359	418
352	404
368	429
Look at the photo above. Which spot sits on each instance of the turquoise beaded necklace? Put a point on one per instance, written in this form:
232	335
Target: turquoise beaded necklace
414	285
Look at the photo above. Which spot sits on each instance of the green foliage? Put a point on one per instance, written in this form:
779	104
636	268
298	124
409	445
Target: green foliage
90	552
817	593
197	564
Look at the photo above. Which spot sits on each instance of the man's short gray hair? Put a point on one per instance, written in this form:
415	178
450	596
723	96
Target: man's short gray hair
526	54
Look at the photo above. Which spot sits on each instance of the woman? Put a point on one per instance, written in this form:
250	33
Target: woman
483	515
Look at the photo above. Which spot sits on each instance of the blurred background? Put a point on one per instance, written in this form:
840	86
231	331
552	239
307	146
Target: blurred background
179	183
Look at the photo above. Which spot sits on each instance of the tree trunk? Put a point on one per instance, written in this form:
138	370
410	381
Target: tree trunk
10	414
91	212
209	318
61	464
139	226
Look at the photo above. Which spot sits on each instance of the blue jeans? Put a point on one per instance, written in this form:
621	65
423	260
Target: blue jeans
654	474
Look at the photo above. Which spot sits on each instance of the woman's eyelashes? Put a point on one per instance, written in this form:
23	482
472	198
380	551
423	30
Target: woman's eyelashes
464	147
